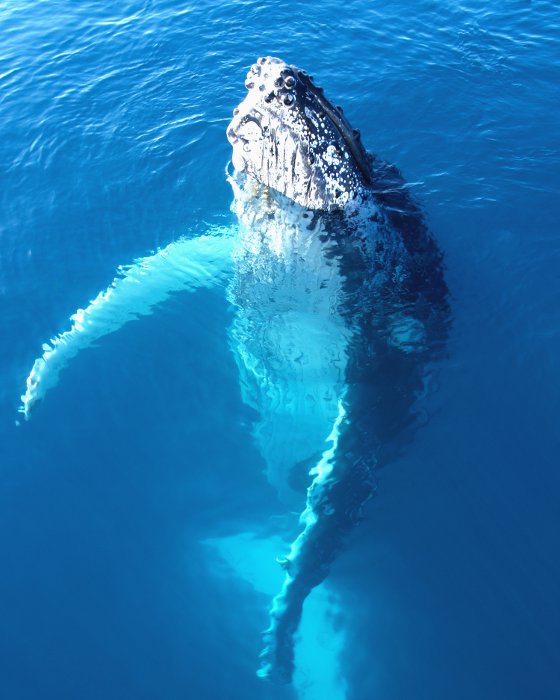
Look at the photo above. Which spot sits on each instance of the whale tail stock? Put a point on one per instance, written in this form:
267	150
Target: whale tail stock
186	264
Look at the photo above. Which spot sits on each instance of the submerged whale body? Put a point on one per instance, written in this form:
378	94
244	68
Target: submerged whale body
340	309
354	248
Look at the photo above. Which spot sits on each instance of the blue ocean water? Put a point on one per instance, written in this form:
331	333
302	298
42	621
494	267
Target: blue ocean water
124	574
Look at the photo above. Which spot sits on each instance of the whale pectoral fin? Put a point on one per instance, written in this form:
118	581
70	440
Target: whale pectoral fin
187	264
342	484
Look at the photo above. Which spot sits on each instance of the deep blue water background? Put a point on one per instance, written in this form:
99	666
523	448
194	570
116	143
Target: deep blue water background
112	143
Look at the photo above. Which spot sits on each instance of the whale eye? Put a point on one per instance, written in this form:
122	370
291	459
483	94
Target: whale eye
290	81
289	99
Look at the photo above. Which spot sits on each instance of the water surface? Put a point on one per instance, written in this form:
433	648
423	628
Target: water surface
115	495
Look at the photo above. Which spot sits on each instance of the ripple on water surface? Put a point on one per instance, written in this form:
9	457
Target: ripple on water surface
112	145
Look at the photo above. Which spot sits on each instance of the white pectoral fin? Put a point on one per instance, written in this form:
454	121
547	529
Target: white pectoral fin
187	264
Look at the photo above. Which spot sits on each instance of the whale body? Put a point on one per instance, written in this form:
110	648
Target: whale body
340	308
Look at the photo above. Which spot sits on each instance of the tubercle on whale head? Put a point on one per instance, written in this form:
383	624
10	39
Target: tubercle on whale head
287	135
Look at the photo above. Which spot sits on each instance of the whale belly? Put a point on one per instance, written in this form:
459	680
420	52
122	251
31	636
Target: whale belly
291	344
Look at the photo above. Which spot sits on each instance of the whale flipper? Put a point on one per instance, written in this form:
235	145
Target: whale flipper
187	264
342	484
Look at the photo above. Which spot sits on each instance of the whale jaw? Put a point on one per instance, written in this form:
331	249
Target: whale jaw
288	136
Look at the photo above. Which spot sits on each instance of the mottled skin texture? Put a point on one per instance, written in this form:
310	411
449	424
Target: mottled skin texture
388	307
288	136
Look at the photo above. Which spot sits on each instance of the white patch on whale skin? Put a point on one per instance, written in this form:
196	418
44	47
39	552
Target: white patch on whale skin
288	335
186	264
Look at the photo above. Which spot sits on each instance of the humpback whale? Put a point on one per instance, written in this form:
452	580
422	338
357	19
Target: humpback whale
340	309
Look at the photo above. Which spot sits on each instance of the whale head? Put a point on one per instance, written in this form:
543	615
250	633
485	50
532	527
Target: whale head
288	136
